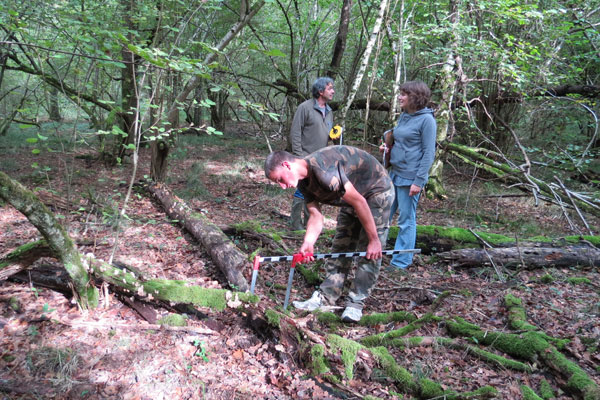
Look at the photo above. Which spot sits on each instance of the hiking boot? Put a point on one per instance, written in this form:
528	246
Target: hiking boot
351	314
315	301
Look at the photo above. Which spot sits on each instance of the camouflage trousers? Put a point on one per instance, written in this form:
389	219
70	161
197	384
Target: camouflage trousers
350	236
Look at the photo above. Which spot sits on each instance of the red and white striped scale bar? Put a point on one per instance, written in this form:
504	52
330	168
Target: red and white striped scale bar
332	255
298	258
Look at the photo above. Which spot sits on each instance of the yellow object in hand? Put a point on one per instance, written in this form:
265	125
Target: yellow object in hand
335	132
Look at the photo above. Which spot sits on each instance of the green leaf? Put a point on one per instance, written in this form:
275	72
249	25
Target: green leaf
31	140
42	137
35	151
275	53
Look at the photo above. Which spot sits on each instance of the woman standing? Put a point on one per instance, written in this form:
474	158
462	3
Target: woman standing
411	150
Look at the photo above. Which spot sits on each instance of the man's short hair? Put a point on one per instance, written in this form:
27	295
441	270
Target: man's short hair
418	92
275	159
320	85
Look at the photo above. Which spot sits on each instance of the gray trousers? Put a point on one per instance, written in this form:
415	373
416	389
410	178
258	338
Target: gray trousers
298	207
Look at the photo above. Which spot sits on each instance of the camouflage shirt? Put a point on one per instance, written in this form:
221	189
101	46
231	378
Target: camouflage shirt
331	167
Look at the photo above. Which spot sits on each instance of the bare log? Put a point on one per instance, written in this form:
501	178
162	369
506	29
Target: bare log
230	260
531	257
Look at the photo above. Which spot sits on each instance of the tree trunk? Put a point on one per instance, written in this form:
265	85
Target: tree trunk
528	257
129	91
27	203
444	118
230	260
365	60
53	108
437	239
340	40
126	282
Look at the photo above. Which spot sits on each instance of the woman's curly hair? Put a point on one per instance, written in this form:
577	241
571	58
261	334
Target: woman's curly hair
418	93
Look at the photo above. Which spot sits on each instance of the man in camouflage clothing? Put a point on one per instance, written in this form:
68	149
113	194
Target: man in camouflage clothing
354	180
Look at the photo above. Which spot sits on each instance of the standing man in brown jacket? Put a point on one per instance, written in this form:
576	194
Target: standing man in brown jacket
310	132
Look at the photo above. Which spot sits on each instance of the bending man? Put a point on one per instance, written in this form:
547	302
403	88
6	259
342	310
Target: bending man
354	180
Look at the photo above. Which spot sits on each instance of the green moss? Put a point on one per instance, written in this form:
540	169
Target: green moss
328	318
547	279
546	391
462	235
516	314
386	337
20	251
181	292
14	304
430	389
484	392
349	349
400	375
578	380
578	280
318	363
173	320
595	240
485	355
273	318
311	275
529	394
386	318
526	345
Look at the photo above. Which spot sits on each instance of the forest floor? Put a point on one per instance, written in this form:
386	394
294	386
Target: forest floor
51	349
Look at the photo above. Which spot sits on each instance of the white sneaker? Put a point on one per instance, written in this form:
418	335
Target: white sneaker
351	314
315	301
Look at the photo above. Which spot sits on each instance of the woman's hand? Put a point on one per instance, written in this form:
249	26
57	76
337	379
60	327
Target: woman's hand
414	189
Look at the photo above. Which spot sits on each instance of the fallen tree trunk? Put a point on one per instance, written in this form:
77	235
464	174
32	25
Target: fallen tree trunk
22	257
527	257
58	240
128	283
230	260
436	239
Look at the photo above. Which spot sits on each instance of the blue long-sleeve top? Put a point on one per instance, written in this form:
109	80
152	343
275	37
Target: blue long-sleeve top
414	146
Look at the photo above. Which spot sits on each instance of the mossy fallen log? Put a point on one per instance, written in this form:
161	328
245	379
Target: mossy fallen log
22	257
171	292
531	346
57	238
436	239
230	260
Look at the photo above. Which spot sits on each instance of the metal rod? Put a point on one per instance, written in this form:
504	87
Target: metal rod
289	288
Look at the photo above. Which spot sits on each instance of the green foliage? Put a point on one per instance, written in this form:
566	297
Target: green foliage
574	280
273	318
173	320
201	350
